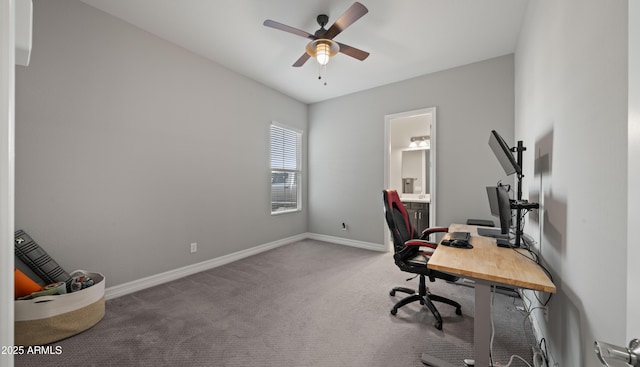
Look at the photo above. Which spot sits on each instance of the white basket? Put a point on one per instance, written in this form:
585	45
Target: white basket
46	319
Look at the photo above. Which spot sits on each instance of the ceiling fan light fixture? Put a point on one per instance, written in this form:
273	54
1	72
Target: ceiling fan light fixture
322	50
322	53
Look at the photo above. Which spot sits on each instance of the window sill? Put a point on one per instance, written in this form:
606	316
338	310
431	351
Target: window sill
286	211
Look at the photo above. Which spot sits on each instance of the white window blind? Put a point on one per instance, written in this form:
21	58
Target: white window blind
285	169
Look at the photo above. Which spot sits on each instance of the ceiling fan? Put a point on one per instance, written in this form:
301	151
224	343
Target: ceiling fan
322	45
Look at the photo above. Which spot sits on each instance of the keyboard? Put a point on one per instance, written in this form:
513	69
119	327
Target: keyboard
491	232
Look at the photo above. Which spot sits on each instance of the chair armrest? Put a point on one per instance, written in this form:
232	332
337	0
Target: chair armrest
423	243
427	232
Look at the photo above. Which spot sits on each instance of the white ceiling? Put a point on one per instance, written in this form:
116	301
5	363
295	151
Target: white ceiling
406	38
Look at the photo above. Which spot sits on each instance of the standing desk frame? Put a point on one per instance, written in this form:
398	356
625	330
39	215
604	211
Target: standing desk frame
488	265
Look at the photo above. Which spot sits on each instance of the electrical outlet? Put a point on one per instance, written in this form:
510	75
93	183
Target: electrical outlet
344	226
194	247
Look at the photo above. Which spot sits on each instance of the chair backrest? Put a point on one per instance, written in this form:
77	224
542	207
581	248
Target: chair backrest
397	219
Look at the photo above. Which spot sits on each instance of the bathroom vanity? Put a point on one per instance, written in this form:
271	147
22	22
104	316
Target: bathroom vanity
417	207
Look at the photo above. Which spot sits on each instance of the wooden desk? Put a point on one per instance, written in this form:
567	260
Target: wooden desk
488	265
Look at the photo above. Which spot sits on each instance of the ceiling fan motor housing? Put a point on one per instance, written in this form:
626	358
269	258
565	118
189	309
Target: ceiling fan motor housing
322	19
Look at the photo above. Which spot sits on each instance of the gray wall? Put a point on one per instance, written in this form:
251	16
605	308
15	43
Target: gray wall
571	112
346	147
129	148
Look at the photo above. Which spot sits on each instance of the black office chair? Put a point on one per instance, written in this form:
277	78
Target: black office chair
411	254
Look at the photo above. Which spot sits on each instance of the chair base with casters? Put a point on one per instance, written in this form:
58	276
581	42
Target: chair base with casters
425	298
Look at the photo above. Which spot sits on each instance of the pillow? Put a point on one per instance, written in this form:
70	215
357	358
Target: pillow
24	285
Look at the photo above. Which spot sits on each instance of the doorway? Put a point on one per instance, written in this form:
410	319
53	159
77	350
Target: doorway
410	164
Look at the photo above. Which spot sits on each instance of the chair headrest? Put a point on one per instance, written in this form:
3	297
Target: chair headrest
393	202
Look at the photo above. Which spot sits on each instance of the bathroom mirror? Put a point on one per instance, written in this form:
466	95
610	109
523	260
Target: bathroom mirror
415	171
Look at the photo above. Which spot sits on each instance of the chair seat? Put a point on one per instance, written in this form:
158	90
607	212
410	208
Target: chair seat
415	269
418	260
418	265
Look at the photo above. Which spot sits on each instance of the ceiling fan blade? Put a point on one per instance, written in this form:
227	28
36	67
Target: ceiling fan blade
286	28
301	60
352	51
355	12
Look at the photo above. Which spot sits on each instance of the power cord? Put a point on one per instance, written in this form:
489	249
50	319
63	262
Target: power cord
544	352
540	352
493	332
535	258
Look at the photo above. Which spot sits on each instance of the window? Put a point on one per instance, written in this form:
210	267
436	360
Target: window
285	169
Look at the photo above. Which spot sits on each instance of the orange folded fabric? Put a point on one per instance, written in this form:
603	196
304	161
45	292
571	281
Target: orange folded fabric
24	285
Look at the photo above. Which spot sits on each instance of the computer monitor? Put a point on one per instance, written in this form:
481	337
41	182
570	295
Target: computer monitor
500	206
504	208
503	153
492	194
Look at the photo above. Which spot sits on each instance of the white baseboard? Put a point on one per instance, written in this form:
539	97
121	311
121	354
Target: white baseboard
348	242
153	280
157	279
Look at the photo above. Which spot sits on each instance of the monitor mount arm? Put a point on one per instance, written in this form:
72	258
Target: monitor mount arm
518	204
518	150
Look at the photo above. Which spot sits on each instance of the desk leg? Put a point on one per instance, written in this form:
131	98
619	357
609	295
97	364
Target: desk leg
482	324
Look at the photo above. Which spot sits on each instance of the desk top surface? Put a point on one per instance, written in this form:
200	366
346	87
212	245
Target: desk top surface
487	261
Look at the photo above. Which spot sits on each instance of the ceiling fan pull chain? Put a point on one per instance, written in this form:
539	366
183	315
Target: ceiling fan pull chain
322	69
